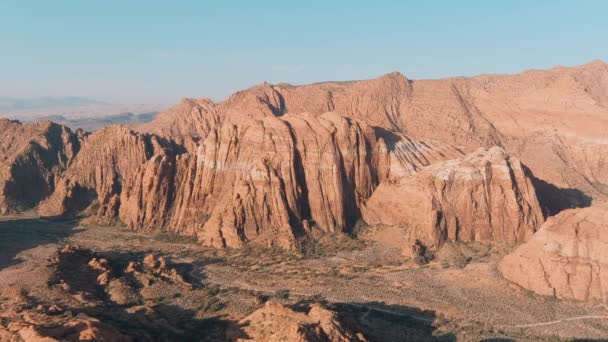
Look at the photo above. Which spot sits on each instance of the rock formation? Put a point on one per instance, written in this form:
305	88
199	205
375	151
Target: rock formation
272	179
32	155
277	322
566	258
485	196
272	163
107	156
391	101
527	113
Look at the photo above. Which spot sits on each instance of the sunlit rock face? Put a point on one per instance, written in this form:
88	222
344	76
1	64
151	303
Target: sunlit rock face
566	258
485	196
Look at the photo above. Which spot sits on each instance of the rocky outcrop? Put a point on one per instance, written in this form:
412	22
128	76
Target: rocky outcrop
566	258
189	118
259	180
272	180
485	196
32	156
96	175
79	328
277	322
91	278
529	114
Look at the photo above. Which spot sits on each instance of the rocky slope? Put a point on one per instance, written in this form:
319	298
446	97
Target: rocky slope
534	115
566	258
485	196
95	176
32	156
277	322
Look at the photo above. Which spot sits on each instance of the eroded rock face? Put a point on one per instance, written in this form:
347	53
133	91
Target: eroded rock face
485	196
189	118
96	174
32	155
251	181
390	101
530	114
271	180
566	258
277	322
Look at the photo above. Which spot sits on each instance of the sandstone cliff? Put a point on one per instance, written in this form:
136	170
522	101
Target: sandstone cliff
274	162
485	196
95	175
530	114
272	180
566	258
32	157
390	101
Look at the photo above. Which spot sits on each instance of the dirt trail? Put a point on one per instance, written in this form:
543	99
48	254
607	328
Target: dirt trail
420	318
531	325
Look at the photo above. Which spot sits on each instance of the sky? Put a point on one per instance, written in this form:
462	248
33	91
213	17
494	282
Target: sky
160	51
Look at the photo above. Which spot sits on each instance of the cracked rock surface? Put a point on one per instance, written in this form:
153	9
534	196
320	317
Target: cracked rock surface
566	258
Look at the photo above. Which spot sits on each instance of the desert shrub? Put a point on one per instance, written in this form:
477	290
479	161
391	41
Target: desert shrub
359	228
317	298
425	258
175	238
282	294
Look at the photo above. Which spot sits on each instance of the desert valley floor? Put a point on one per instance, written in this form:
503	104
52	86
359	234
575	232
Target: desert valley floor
459	295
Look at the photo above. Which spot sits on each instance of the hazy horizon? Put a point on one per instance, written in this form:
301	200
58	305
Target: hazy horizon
152	52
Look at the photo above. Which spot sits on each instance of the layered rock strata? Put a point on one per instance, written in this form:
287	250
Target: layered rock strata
486	196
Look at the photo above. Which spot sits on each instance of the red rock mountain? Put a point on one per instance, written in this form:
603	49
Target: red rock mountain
554	120
274	163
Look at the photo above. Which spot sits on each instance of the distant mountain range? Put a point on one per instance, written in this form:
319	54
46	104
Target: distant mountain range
94	123
18	104
77	112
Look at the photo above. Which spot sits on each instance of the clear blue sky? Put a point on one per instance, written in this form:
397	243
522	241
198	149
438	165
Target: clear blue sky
159	51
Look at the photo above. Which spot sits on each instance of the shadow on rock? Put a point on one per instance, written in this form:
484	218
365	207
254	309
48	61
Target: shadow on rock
382	322
161	323
554	199
20	234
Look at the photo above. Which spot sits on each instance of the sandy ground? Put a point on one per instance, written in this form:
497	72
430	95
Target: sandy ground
458	300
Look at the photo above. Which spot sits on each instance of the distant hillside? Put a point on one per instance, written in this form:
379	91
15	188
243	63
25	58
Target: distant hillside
76	112
91	124
18	104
